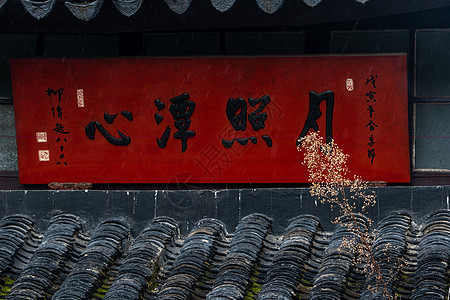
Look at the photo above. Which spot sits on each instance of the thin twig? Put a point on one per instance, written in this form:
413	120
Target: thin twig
369	249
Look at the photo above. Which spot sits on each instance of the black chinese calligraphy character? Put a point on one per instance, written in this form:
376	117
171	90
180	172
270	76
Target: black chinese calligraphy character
268	140
371	154
371	110
158	118
236	111
58	109
109	118
237	120
257	117
159	104
372	80
127	115
227	143
162	143
61	157
58	92
59	128
314	114
371	141
181	110
371	125
371	96
92	126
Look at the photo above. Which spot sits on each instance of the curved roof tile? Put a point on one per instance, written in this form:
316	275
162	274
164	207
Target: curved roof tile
38	9
128	7
87	10
304	261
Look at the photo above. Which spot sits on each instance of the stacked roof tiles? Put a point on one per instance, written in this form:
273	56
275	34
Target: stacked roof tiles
304	262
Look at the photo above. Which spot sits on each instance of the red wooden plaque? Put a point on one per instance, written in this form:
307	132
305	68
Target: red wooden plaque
177	121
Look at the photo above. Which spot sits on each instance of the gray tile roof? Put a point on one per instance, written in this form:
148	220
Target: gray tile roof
86	10
65	262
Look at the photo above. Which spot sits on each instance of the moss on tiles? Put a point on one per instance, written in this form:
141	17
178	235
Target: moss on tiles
254	288
153	283
5	286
